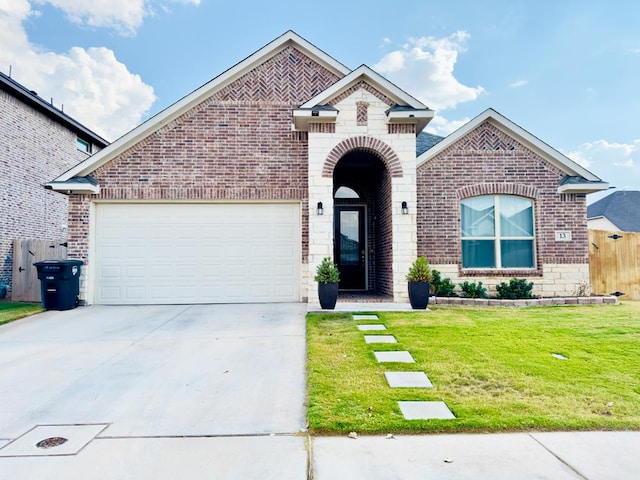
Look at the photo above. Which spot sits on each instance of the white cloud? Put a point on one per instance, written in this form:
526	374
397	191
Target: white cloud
615	163
518	84
125	16
425	67
439	125
95	88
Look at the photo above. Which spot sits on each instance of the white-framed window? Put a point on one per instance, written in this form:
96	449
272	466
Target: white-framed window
497	232
83	145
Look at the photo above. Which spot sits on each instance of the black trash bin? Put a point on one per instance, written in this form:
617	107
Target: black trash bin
59	283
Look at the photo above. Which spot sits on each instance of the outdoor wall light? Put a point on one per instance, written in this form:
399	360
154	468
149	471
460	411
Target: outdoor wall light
405	209
319	209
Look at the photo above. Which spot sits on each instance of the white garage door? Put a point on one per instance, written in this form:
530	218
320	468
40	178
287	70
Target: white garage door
197	253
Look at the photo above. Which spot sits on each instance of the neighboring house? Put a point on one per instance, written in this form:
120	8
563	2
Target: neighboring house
236	192
617	212
37	142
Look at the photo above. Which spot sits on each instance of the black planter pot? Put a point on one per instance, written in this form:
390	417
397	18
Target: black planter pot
328	295
419	294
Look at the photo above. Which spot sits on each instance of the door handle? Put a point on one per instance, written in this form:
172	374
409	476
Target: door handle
20	269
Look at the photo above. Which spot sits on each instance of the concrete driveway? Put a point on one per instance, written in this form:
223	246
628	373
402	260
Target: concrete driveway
201	389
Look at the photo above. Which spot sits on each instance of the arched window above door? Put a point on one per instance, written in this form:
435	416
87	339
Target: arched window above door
346	192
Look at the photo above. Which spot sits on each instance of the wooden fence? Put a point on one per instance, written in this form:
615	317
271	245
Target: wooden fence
614	263
25	285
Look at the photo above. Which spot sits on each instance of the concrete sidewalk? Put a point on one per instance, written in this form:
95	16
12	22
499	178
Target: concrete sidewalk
557	456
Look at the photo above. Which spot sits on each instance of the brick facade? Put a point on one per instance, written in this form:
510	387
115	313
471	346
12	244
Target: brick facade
34	148
241	143
236	145
484	162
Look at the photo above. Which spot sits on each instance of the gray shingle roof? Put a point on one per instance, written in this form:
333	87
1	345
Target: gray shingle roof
425	141
620	208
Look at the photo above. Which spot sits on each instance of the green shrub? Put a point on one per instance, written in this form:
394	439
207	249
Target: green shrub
473	290
327	272
442	287
419	271
517	288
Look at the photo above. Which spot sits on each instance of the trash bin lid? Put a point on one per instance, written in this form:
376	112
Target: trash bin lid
73	263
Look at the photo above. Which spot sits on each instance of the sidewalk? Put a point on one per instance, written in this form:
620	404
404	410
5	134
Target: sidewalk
557	456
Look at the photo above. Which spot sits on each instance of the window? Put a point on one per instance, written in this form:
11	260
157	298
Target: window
497	232
83	145
346	192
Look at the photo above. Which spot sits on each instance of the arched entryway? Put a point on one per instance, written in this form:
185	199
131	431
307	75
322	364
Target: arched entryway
363	226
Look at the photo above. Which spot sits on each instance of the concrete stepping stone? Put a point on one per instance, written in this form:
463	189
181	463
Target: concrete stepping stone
365	317
371	327
398	356
425	411
408	380
380	339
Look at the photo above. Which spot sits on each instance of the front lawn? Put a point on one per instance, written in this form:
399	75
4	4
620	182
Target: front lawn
493	367
10	311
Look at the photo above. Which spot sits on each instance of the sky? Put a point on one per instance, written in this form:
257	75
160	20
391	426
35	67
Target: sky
567	71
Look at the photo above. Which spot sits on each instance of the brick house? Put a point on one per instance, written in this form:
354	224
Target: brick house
236	192
37	142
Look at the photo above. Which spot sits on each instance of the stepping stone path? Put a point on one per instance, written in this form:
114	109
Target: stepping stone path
414	410
371	328
397	357
408	380
380	339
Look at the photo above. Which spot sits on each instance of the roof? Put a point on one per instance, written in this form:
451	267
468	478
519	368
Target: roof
407	109
577	178
424	141
32	99
622	208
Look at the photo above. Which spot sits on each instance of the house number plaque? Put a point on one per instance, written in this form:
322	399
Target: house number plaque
563	235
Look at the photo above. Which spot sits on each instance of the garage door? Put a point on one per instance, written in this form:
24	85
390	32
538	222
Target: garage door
197	253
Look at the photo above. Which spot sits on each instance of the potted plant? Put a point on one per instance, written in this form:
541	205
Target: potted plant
419	282
327	276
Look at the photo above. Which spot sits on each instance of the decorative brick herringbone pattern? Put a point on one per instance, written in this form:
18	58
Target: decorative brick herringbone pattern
368	144
362	113
365	86
289	76
488	137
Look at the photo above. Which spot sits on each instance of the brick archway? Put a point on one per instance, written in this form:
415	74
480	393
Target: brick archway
367	144
497	189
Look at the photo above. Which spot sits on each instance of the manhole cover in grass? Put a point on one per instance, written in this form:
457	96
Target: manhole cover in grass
51	442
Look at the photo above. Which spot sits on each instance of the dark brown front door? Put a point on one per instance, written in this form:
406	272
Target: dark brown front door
350	247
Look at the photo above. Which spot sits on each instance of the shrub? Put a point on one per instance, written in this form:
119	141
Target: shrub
516	288
327	272
419	271
441	287
473	290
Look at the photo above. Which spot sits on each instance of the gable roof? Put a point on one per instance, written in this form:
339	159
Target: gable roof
31	98
188	102
577	180
406	106
621	208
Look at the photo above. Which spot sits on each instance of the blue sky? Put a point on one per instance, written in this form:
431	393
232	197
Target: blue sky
567	71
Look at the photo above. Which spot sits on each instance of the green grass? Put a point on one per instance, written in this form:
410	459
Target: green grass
492	366
10	311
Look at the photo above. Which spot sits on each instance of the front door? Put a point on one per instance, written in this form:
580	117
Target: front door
350	246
